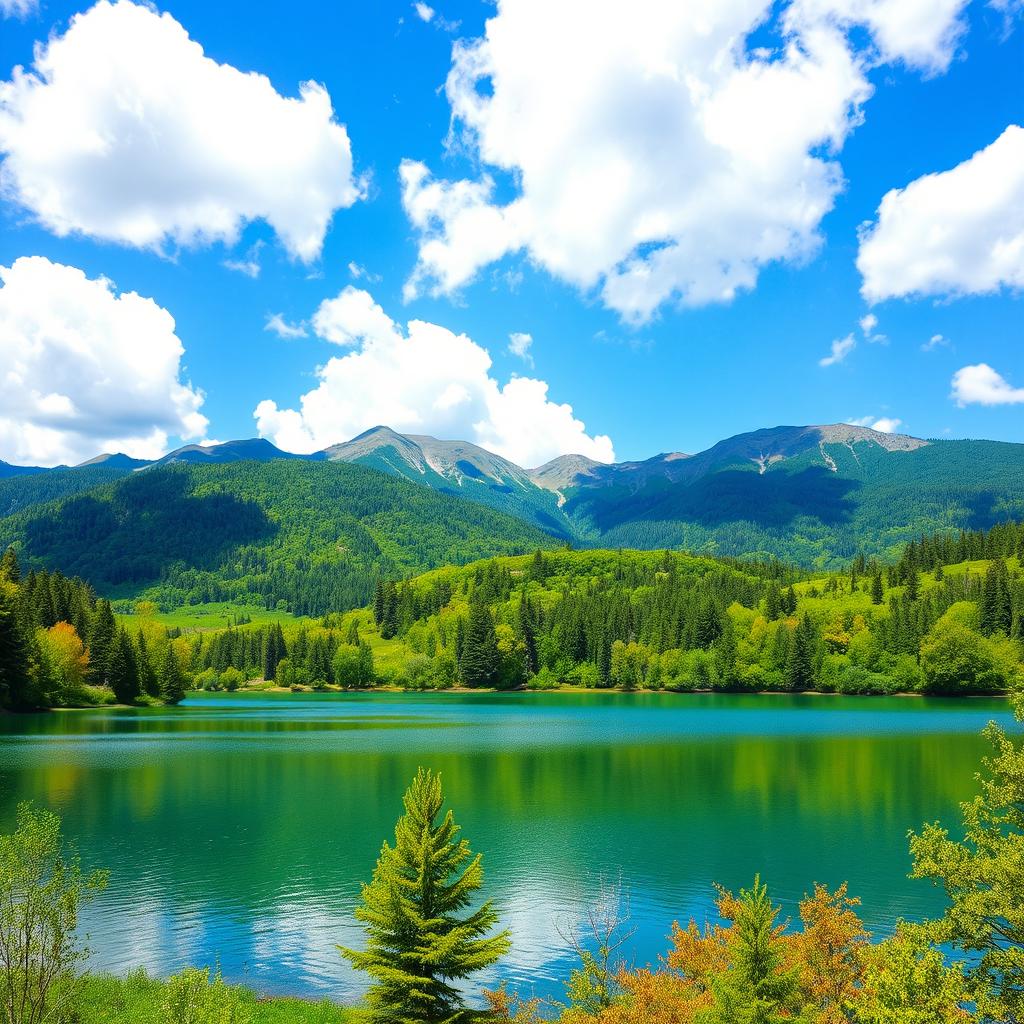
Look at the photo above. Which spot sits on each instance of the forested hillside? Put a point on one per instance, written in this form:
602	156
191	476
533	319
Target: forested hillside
312	537
947	618
60	646
818	507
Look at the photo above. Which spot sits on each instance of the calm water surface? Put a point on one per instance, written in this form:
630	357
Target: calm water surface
237	829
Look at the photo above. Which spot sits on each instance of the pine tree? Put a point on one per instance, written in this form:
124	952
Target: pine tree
420	944
101	641
759	988
122	671
877	590
479	661
800	656
148	682
15	683
171	679
9	568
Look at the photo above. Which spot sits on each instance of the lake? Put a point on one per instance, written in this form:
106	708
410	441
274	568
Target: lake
237	828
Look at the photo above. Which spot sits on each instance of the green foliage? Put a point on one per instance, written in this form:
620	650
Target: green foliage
982	875
141	999
760	988
193	997
313	535
421	941
41	891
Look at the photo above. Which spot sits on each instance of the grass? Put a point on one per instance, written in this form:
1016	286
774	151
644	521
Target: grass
215	615
140	999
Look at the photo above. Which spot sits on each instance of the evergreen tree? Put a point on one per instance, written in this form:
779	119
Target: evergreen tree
171	678
479	662
759	988
420	941
15	683
800	656
148	682
122	671
101	641
9	568
527	633
877	590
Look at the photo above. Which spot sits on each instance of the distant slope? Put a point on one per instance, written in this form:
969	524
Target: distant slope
313	535
457	467
813	495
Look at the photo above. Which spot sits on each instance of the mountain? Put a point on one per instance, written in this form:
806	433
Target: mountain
255	449
310	536
115	461
815	495
458	468
314	531
7	471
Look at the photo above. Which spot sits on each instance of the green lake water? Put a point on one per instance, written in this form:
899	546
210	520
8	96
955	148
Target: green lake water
237	829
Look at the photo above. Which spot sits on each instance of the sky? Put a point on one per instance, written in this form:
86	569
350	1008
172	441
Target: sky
544	227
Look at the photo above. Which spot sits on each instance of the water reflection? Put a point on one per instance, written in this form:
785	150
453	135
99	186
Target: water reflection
239	830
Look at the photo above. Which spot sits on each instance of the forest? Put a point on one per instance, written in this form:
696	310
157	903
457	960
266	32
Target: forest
946	618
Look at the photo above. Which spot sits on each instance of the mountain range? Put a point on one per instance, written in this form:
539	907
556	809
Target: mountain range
814	495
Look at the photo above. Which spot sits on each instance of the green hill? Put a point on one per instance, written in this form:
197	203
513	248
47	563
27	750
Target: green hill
309	536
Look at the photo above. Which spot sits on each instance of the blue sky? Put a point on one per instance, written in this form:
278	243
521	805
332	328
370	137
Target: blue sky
678	377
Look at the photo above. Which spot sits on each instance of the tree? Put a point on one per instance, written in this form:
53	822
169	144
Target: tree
101	641
907	981
41	892
122	670
68	658
420	944
800	656
877	590
171	679
956	659
15	683
760	988
983	878
9	568
479	660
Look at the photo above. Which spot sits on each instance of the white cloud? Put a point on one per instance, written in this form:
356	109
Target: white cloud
958	232
868	323
360	273
124	131
248	264
981	385
883	424
654	155
934	342
840	349
84	370
277	324
519	346
425	379
18	8
424	12
922	34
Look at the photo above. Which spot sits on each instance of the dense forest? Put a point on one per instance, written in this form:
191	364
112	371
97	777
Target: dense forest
309	537
61	646
946	618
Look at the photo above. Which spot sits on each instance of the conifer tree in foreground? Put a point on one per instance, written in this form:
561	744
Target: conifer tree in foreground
421	942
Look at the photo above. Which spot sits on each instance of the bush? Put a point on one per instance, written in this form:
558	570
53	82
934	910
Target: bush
193	998
231	679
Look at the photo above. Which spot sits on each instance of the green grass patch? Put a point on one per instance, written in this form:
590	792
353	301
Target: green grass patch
141	999
215	615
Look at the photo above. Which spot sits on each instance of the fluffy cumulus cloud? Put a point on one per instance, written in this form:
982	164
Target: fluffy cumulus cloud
85	370
981	385
124	130
655	153
958	232
423	379
519	344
